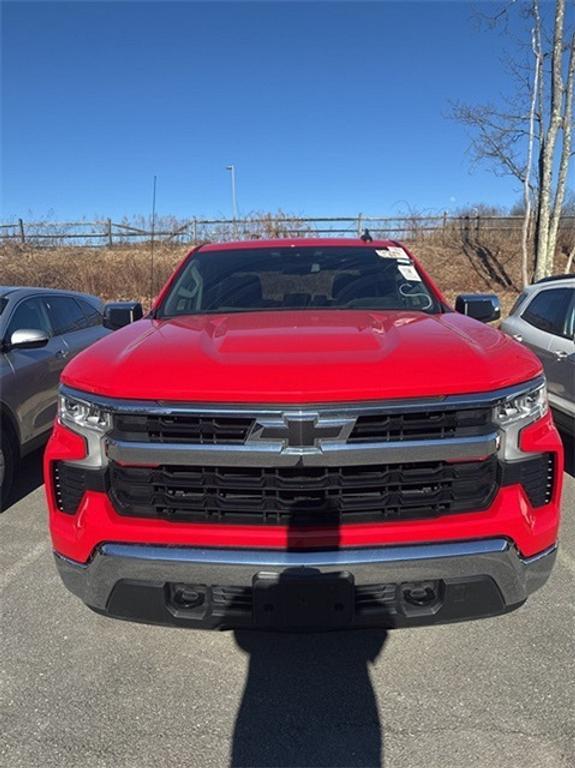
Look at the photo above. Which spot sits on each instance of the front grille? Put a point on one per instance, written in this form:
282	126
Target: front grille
304	495
182	428
421	425
222	429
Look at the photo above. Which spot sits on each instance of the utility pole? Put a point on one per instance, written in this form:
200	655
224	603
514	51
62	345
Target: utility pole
232	169
152	240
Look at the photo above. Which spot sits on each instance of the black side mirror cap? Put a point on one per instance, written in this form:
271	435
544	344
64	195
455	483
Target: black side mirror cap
484	307
121	313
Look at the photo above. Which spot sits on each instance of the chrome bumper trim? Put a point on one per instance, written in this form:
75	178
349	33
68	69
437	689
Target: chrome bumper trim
496	558
273	454
299	559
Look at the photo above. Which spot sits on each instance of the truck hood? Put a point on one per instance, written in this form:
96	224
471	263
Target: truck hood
301	357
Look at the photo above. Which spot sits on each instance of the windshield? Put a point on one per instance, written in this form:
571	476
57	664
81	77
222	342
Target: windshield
300	278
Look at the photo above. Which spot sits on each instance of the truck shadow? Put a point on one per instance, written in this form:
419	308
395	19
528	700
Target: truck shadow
308	701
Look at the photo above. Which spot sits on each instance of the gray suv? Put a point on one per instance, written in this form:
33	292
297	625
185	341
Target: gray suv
40	330
543	318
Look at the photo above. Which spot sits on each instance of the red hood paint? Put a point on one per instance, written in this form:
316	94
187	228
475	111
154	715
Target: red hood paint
301	357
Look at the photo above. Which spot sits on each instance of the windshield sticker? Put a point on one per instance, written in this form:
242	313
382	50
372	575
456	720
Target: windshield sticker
393	252
398	253
409	272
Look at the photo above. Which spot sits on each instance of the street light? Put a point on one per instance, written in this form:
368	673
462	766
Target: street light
232	169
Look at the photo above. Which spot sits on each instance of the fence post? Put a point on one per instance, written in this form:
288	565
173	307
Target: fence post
444	227
109	231
22	234
359	224
195	231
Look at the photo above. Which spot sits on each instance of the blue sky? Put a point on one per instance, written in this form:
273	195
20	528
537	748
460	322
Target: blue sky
324	108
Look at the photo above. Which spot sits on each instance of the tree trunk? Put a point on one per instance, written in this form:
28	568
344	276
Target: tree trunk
536	45
565	150
544	257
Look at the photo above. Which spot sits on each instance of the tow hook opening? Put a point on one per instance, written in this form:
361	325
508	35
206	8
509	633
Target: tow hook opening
187	599
421	596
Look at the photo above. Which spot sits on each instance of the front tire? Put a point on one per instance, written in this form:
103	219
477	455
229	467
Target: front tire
8	460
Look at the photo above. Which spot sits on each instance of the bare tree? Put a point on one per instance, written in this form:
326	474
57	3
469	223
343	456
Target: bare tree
530	138
527	189
561	115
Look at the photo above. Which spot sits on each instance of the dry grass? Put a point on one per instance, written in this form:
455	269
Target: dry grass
459	263
112	273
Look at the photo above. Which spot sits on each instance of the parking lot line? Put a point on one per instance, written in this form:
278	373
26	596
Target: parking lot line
11	573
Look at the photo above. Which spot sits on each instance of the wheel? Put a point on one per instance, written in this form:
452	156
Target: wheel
8	459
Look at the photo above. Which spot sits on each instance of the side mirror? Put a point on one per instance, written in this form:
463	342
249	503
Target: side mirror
480	306
121	313
28	338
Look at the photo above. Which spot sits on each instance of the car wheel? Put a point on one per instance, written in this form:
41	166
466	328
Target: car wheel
8	459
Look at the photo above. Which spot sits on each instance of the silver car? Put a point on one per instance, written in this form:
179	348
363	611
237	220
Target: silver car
40	331
543	318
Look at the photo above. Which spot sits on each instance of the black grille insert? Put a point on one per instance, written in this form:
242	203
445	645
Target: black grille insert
537	476
228	601
182	428
71	481
69	486
304	495
421	425
222	429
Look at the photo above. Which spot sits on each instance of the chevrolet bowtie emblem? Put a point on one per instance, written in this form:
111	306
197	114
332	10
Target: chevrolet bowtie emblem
301	430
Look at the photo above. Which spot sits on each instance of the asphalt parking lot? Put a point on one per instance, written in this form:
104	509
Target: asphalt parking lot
82	690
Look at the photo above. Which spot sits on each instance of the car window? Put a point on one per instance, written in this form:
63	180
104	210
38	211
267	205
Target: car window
65	314
93	316
548	310
519	302
28	315
570	324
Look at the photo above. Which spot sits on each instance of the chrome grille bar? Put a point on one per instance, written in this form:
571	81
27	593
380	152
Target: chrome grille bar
328	453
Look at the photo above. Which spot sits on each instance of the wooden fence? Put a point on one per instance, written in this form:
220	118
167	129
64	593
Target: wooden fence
109	233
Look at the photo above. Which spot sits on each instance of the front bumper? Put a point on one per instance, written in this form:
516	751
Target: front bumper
389	587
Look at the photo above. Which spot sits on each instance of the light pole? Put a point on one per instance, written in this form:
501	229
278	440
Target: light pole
232	169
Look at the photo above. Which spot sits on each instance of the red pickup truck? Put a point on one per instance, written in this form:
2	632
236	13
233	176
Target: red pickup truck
302	434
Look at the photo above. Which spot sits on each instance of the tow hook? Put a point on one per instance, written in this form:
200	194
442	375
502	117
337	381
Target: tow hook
421	595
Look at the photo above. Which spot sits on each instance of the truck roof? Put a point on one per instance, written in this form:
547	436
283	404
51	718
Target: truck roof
314	242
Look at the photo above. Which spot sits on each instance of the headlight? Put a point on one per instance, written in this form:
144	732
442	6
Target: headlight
81	413
528	406
516	412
